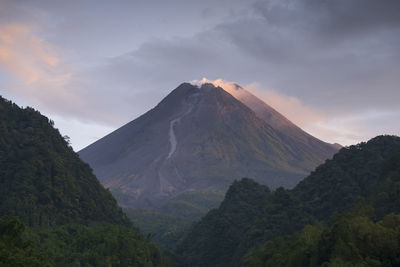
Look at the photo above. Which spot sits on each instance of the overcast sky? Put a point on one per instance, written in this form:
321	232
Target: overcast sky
330	66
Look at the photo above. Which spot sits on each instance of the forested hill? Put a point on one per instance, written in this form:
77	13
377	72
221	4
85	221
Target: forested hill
42	180
251	215
370	170
72	219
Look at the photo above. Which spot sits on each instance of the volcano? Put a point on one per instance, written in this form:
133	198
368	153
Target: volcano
202	138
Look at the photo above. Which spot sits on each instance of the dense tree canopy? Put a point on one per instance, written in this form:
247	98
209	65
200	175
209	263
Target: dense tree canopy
42	180
353	240
53	211
250	214
72	220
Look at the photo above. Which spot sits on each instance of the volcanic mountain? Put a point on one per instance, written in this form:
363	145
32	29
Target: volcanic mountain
201	138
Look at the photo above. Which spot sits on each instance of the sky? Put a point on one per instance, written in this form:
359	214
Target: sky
330	66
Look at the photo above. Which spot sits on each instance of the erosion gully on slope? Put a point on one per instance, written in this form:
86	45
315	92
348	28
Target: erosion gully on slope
164	184
172	137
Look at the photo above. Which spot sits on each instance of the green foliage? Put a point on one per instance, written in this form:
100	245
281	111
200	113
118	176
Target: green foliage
98	244
72	219
16	248
42	180
193	204
296	250
370	170
168	225
353	240
164	229
250	215
213	240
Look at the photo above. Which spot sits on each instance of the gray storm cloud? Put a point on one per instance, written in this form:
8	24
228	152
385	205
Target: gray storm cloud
338	57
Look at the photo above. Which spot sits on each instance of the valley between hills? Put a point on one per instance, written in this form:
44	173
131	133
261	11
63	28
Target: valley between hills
208	177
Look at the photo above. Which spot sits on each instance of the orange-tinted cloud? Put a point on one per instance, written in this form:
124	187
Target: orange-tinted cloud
37	72
24	55
333	129
291	107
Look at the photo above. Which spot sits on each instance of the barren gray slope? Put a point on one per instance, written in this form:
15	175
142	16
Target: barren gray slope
315	147
194	139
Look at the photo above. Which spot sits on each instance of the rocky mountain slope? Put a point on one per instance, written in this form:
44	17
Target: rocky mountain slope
307	142
198	138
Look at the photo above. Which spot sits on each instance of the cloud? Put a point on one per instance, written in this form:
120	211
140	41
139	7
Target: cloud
340	127
325	60
331	20
34	65
318	50
334	127
25	55
38	74
290	107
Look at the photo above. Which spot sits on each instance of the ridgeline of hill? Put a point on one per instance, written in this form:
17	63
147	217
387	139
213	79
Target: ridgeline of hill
242	230
53	210
72	220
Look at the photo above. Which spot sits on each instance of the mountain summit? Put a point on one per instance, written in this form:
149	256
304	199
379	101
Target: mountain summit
199	138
